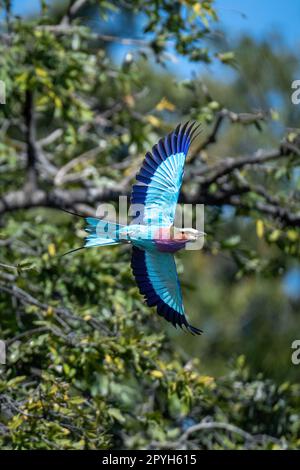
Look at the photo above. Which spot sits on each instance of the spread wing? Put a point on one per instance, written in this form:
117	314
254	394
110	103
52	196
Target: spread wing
155	196
157	279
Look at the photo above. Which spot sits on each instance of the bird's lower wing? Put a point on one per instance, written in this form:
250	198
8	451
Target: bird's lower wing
157	279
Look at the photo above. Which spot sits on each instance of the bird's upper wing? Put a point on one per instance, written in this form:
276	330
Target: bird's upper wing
157	279
155	196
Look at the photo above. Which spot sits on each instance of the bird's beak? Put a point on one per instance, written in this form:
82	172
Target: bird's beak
201	234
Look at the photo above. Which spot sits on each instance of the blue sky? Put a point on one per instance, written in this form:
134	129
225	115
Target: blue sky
258	18
291	283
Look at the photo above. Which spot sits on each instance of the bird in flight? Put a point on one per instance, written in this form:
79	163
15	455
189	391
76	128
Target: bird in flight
152	233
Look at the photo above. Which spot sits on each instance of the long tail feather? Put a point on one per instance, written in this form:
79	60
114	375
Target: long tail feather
72	251
72	213
101	232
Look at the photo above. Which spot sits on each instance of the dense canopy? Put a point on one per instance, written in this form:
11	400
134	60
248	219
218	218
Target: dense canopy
90	87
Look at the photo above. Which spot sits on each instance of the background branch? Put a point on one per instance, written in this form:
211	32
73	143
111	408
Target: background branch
30	137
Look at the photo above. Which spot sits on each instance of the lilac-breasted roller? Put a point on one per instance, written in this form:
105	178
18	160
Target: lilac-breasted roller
152	233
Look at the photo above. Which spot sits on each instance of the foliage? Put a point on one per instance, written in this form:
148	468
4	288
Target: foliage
90	368
88	365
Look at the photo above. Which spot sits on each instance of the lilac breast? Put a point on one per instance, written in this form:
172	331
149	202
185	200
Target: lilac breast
169	246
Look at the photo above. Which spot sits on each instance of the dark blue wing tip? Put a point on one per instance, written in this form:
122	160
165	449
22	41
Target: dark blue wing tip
190	131
152	299
194	330
177	141
176	318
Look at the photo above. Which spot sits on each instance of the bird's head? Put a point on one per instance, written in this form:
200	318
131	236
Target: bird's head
188	234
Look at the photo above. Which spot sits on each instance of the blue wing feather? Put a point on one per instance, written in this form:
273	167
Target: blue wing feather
157	279
161	176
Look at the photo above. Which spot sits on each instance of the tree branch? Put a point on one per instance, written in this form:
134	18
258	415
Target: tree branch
32	151
212	425
242	118
62	315
228	165
72	10
59	198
